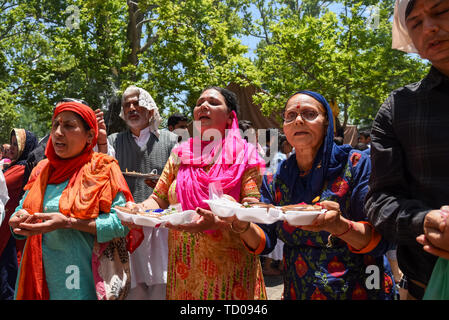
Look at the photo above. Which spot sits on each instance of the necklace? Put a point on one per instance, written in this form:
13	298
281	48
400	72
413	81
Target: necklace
306	172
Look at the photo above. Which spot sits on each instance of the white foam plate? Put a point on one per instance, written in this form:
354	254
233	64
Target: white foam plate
302	218
259	215
223	207
175	218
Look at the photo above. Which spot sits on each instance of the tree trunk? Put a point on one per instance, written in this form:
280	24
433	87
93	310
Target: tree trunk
133	34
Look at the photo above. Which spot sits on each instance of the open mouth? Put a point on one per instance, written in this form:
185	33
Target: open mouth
204	118
435	44
59	145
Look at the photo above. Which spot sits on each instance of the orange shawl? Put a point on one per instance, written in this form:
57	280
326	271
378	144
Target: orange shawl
90	191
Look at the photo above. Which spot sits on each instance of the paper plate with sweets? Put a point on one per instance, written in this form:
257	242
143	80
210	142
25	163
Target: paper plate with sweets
301	214
154	217
223	207
259	212
295	215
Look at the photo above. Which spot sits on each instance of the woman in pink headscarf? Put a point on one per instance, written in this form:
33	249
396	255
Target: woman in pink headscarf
207	259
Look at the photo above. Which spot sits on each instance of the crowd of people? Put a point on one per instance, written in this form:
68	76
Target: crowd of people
384	232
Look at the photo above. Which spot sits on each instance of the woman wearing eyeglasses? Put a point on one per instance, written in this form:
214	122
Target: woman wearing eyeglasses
340	255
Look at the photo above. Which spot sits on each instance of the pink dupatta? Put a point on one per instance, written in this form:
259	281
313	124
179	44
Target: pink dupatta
228	167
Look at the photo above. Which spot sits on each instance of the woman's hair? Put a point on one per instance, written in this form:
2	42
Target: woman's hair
175	118
409	8
281	139
230	98
245	125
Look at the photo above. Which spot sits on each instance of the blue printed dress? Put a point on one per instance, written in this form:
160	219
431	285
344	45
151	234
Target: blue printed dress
312	270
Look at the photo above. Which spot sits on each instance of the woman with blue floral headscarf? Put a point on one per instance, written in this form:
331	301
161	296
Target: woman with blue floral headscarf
340	255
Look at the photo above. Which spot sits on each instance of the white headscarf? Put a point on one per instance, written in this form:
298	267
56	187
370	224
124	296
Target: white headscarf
401	38
146	101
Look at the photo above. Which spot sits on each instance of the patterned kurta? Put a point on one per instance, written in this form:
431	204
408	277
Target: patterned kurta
210	265
61	264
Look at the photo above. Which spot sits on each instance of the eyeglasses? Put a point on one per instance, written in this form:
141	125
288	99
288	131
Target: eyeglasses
134	103
307	115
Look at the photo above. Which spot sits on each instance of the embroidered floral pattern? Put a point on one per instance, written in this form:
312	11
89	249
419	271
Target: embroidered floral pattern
336	268
317	295
301	266
355	157
340	187
182	270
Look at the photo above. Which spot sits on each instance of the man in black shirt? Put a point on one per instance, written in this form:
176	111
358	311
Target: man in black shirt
410	147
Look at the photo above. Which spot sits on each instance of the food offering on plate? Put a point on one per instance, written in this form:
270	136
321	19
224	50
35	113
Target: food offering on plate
224	206
301	214
152	175
151	213
301	207
257	205
155	217
258	212
297	214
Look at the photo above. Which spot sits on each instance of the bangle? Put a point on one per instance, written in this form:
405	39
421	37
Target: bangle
239	232
351	226
102	144
69	223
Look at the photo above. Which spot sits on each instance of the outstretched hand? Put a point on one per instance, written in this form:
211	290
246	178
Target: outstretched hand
328	221
204	220
131	205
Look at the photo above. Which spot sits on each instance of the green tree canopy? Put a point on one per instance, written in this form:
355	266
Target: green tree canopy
345	54
94	49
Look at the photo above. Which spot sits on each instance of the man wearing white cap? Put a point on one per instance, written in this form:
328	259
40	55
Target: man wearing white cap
410	148
143	148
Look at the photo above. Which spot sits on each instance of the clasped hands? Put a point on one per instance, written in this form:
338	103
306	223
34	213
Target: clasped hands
435	239
25	224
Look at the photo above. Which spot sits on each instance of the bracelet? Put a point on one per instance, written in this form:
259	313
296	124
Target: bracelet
69	223
239	232
102	144
351	226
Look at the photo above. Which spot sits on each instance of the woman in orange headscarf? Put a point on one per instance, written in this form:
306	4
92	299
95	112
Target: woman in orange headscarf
75	243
